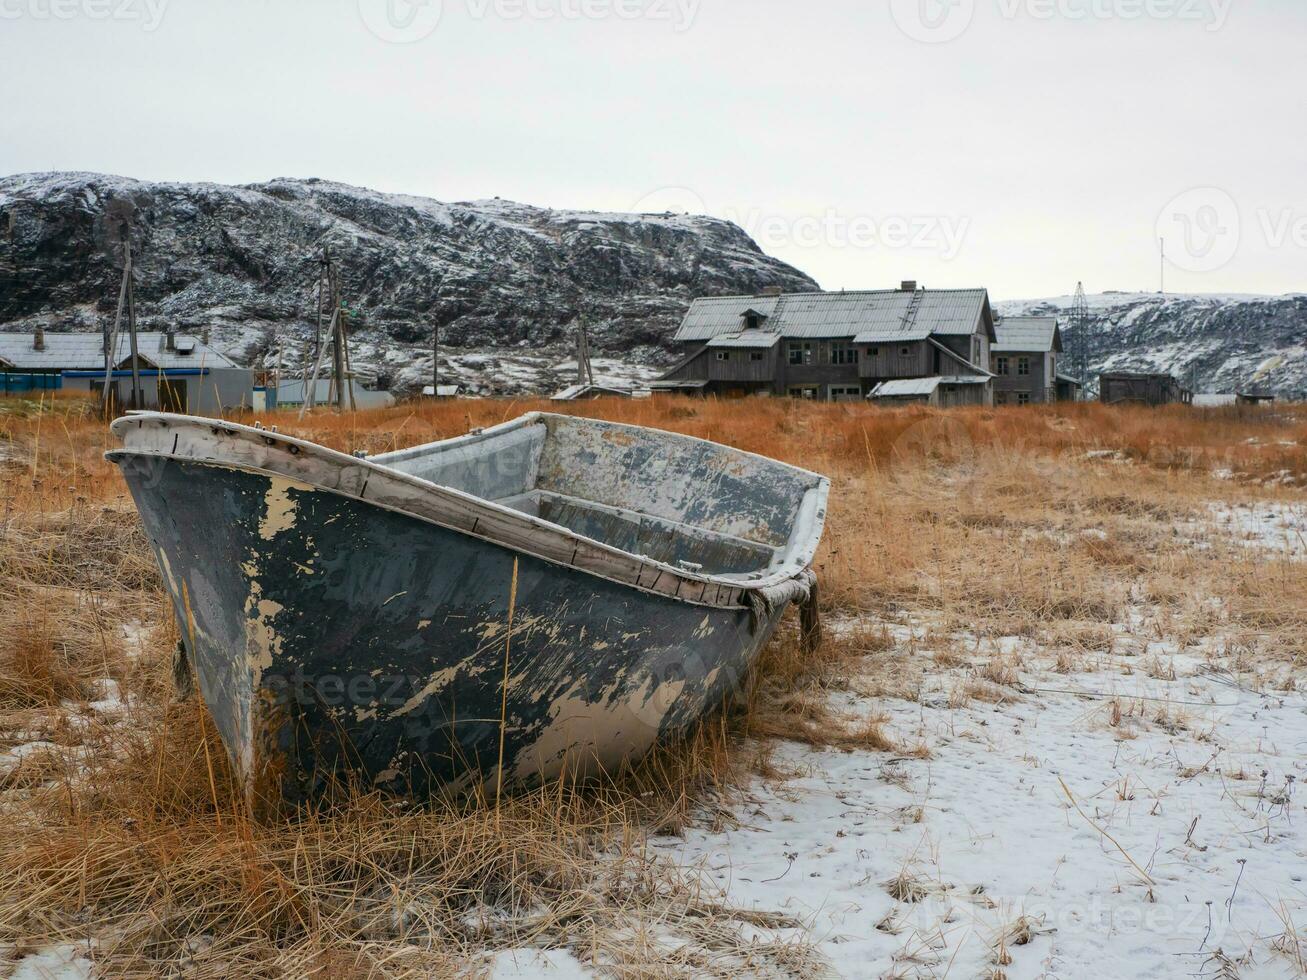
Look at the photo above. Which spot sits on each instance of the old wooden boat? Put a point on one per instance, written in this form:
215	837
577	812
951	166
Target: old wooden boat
546	597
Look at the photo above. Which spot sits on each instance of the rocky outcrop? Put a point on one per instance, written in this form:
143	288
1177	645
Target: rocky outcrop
242	262
1216	343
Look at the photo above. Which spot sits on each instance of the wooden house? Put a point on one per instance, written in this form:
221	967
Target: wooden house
1117	387
1024	360
836	346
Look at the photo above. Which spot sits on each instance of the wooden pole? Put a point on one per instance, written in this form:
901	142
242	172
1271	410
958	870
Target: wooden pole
137	392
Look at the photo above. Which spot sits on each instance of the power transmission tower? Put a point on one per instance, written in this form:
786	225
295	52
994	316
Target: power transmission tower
1080	345
126	307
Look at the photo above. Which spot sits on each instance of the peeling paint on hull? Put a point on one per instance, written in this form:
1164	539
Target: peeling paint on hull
333	639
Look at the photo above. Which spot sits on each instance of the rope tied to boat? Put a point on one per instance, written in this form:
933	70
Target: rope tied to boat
802	590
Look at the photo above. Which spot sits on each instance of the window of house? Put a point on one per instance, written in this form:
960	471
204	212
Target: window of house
1023	398
806	391
905	351
1023	365
751	322
1002	365
842	353
800	353
722	355
1000	398
845	394
873	352
755	355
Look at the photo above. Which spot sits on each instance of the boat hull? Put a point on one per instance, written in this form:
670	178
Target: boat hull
335	640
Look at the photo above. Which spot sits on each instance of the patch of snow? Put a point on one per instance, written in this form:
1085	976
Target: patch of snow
536	964
1128	848
1273	527
65	962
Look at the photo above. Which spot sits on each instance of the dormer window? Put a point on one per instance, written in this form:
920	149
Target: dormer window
752	319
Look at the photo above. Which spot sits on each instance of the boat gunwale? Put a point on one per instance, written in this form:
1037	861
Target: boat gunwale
808	525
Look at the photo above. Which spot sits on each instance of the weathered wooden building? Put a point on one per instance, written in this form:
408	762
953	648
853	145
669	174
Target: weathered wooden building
1117	387
837	346
178	373
1024	360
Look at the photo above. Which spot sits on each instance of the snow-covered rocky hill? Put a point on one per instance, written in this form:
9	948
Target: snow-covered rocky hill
504	282
1222	343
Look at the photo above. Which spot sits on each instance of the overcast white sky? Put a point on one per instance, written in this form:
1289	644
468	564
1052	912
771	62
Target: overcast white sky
1020	145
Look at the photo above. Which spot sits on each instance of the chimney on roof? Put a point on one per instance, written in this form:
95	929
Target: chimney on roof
908	286
38	339
169	340
770	291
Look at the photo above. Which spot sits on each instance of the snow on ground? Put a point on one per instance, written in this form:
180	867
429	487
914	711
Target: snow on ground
531	964
919	867
1276	528
65	962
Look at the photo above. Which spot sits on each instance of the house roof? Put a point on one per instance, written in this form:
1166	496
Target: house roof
1036	334
756	339
900	387
870	316
573	392
905	386
85	352
689	385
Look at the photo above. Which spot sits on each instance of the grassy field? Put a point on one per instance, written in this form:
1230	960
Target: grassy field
1015	536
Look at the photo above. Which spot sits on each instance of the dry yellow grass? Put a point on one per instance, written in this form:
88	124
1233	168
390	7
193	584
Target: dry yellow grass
993	523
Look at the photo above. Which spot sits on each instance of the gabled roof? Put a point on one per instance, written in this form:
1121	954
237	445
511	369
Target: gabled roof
870	316
85	352
1034	334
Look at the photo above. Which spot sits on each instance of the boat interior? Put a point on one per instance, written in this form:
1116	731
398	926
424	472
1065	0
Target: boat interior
677	500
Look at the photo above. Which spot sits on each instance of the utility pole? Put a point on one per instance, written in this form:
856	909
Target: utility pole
435	341
127	306
584	374
342	386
